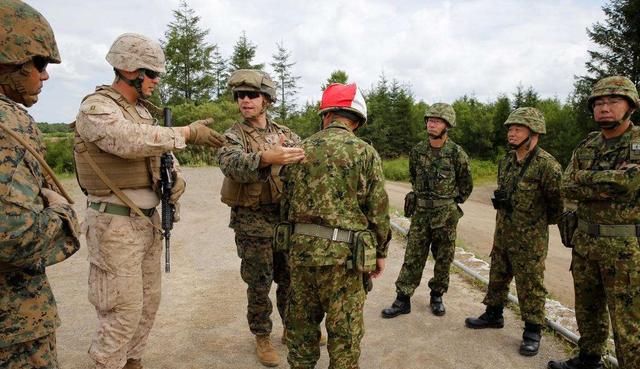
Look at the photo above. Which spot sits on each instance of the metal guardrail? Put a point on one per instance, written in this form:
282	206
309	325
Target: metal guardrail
564	332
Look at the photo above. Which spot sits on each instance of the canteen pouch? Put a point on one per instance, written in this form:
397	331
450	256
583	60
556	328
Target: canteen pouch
567	226
364	252
282	237
410	202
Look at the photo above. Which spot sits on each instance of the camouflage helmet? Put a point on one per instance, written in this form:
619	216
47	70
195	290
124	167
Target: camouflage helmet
615	85
25	34
442	111
528	117
132	51
252	80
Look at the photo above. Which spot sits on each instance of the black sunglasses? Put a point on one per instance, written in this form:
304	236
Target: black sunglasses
152	74
250	94
40	63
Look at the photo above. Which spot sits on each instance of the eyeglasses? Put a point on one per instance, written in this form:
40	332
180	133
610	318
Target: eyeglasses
40	63
611	101
250	94
152	74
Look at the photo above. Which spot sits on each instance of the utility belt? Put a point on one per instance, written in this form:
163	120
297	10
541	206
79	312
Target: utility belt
116	209
609	230
363	243
7	268
412	202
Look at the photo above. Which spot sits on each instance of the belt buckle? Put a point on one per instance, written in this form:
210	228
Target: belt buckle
594	229
335	234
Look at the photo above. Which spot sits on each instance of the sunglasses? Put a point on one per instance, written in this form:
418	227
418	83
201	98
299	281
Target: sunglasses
40	63
152	74
250	94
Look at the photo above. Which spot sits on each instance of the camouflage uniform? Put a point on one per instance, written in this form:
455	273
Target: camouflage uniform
124	251
253	227
606	269
339	185
522	235
442	175
33	234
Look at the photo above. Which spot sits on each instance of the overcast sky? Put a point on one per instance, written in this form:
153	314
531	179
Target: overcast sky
442	49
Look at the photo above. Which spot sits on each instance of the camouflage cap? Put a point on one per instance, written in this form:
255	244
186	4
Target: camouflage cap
528	117
132	51
615	85
252	80
25	34
442	111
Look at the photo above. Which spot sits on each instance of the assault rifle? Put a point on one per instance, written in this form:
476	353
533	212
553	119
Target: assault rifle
168	209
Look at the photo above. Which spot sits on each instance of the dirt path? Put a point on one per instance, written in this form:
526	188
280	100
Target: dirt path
201	323
476	228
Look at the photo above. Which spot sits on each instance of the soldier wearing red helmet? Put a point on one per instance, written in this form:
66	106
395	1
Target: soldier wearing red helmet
337	207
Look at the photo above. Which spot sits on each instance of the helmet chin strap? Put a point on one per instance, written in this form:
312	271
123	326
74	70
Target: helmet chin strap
617	123
135	83
15	80
526	142
440	135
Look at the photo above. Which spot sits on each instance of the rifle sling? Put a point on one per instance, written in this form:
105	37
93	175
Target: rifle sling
40	160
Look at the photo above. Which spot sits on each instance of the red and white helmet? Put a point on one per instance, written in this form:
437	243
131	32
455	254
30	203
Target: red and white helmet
338	96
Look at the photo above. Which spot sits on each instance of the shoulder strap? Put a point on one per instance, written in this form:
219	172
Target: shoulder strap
40	160
525	166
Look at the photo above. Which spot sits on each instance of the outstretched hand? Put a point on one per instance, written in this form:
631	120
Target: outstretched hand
281	155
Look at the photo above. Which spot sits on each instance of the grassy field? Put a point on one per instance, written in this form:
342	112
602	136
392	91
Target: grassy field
483	172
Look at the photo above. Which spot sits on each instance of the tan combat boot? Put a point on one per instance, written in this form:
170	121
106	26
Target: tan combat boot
267	354
133	364
323	338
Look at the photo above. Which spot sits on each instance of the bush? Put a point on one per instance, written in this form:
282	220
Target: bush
60	153
483	171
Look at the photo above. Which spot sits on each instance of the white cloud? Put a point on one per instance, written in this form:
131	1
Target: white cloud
443	49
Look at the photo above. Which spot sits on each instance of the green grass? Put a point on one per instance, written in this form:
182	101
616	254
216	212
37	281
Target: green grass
483	171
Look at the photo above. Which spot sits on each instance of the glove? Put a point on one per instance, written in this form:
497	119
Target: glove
201	134
179	185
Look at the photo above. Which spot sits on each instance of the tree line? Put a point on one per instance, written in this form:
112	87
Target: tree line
197	73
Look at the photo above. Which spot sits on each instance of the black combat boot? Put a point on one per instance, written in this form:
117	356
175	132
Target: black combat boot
530	339
585	361
491	318
437	307
402	305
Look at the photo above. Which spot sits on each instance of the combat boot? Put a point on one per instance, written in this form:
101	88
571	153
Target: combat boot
437	307
491	318
402	305
530	339
267	354
133	364
578	362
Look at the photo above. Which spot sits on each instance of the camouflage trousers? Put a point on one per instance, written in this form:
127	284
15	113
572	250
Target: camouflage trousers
421	238
260	267
526	265
336	292
36	354
609	289
124	285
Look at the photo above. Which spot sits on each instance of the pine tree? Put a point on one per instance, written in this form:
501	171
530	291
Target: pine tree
337	76
220	73
243	53
287	82
189	65
619	41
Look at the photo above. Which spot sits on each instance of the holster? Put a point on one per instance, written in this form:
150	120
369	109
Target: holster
410	203
567	226
282	237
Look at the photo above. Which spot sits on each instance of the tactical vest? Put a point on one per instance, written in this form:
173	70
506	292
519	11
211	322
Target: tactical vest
253	194
124	173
